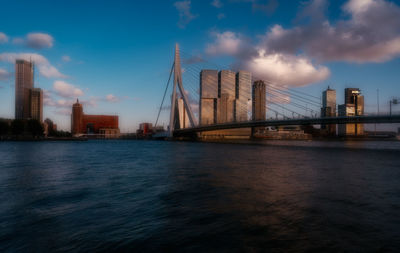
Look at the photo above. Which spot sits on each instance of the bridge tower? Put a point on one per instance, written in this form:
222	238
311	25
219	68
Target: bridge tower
178	82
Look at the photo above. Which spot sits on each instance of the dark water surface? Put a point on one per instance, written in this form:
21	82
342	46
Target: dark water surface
135	196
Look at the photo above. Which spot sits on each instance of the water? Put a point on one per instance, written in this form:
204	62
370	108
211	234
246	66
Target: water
141	196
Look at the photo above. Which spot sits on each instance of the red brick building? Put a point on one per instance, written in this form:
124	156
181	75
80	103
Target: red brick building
92	124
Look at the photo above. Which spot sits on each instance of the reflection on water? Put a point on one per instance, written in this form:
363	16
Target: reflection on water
173	196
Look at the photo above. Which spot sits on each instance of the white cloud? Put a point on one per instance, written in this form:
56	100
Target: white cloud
227	43
49	71
4	75
66	90
44	66
185	14
66	58
284	69
39	40
216	3
3	38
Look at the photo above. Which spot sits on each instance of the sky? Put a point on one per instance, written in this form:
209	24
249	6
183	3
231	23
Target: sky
115	56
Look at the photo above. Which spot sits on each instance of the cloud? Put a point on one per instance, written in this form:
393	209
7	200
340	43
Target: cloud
49	71
39	40
185	14
4	75
66	58
285	69
3	38
371	33
226	43
66	90
112	98
44	66
217	3
282	68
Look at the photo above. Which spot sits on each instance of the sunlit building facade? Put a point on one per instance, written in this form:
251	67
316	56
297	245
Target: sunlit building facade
354	106
243	95
259	100
329	109
208	97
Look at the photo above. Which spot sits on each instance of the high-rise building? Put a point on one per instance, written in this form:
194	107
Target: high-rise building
36	99
225	109
329	109
23	85
354	106
208	97
259	100
226	96
243	95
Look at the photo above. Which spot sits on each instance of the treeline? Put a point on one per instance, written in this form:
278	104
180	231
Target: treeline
28	128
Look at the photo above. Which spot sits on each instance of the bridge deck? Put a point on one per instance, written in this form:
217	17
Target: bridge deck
286	122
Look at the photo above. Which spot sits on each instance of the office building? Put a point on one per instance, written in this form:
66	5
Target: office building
226	96
243	96
93	124
36	100
329	109
259	100
23	85
208	97
354	106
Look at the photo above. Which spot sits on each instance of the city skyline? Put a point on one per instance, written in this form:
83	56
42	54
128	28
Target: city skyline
116	71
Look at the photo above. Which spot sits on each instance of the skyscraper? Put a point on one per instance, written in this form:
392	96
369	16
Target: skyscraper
243	95
329	109
226	96
23	85
354	106
259	100
208	97
36	99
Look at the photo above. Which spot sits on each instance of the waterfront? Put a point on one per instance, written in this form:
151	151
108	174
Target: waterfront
206	197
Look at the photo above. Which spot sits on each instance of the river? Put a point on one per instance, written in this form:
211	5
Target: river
155	196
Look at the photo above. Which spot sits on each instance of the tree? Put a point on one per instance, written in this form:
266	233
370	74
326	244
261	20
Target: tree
35	127
17	126
4	127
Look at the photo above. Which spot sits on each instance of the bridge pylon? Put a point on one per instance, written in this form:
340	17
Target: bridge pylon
178	82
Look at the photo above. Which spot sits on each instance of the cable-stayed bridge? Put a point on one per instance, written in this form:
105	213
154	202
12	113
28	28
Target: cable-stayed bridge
284	106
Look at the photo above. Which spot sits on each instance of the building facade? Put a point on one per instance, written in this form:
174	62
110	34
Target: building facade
92	124
36	99
354	106
243	96
208	97
23	85
329	109
259	100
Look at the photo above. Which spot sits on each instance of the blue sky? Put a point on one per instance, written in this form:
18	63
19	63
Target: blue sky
115	55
